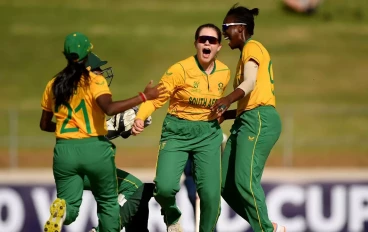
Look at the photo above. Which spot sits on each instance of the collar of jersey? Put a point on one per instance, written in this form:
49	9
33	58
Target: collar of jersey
200	67
244	46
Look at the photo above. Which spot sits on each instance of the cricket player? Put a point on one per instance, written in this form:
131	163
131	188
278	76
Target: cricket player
190	129
257	124
79	100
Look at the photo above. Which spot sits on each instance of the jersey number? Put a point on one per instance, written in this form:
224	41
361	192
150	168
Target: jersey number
81	106
270	72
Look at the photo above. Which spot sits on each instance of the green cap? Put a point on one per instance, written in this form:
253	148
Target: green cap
77	43
94	61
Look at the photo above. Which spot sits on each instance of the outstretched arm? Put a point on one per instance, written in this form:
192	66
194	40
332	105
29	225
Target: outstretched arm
111	108
172	79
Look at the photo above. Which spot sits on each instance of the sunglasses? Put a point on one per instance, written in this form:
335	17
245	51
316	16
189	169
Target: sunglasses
204	38
225	26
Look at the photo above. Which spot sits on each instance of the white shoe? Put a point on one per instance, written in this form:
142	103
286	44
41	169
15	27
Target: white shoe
174	228
93	230
278	228
57	216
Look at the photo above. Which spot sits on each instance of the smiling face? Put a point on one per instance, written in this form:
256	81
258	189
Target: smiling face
207	44
233	32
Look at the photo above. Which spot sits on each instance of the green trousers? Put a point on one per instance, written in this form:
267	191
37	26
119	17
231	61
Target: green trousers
134	197
95	158
253	135
201	141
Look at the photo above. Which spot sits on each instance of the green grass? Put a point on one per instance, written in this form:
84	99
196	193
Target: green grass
320	62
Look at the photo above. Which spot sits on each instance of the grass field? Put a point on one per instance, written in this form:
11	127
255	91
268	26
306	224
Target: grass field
320	66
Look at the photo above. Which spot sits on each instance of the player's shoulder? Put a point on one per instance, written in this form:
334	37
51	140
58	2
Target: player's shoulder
96	79
50	83
94	76
251	43
177	68
221	66
187	63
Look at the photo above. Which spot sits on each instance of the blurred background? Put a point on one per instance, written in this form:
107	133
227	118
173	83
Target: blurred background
319	52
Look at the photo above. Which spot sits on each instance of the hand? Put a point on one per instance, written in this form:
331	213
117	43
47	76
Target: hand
154	92
137	127
221	119
147	122
221	105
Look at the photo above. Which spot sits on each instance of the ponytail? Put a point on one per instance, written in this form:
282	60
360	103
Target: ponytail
66	82
254	11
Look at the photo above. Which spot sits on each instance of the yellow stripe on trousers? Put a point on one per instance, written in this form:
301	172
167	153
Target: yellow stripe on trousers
251	170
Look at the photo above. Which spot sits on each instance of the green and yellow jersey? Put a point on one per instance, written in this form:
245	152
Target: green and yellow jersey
82	117
191	90
263	92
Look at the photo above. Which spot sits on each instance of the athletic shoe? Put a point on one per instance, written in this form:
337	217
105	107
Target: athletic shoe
174	228
57	216
278	228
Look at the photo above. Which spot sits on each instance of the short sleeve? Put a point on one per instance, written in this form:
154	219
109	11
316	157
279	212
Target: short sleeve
47	97
99	86
252	51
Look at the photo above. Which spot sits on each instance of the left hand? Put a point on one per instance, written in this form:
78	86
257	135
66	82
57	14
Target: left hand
138	126
221	105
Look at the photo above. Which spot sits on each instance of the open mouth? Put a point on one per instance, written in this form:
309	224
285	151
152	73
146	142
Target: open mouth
226	36
206	51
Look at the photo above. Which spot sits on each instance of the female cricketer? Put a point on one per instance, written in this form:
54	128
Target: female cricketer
190	129
79	100
257	124
134	196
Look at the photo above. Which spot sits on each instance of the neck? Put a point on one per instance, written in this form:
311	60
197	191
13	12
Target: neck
246	38
207	67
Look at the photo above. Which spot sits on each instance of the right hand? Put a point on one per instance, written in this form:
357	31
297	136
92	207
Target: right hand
138	126
154	92
221	105
220	119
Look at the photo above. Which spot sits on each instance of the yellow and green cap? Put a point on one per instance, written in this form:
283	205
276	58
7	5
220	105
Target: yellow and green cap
77	46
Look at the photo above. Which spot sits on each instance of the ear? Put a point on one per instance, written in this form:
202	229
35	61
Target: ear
240	28
219	48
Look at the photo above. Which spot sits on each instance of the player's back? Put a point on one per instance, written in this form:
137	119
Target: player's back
81	117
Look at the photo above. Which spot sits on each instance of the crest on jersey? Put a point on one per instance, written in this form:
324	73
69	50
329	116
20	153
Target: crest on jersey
220	87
